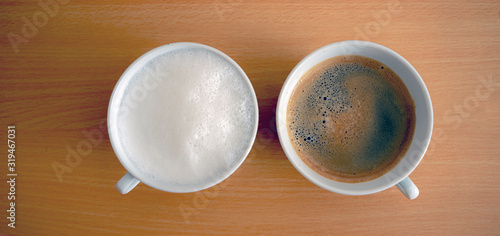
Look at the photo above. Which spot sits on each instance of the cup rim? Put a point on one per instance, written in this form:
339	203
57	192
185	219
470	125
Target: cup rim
303	168
130	71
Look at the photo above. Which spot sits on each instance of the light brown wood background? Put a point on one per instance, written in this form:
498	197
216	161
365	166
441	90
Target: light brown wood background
57	87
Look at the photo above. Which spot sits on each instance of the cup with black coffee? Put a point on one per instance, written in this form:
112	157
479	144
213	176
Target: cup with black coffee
355	118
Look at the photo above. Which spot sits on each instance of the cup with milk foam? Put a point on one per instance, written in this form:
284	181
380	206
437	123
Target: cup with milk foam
181	118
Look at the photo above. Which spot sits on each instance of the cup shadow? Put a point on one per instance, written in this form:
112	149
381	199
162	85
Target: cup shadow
267	69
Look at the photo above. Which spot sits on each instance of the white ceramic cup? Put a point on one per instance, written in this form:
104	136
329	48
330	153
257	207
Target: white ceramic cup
423	129
133	176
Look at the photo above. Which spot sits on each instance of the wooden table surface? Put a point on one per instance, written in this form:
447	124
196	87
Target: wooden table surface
59	62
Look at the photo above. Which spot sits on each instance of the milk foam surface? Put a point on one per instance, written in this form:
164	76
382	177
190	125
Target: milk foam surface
191	118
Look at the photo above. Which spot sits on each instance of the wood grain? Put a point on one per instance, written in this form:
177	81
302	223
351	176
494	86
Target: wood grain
57	87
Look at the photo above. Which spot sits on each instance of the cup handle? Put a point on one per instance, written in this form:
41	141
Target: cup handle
408	188
126	183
